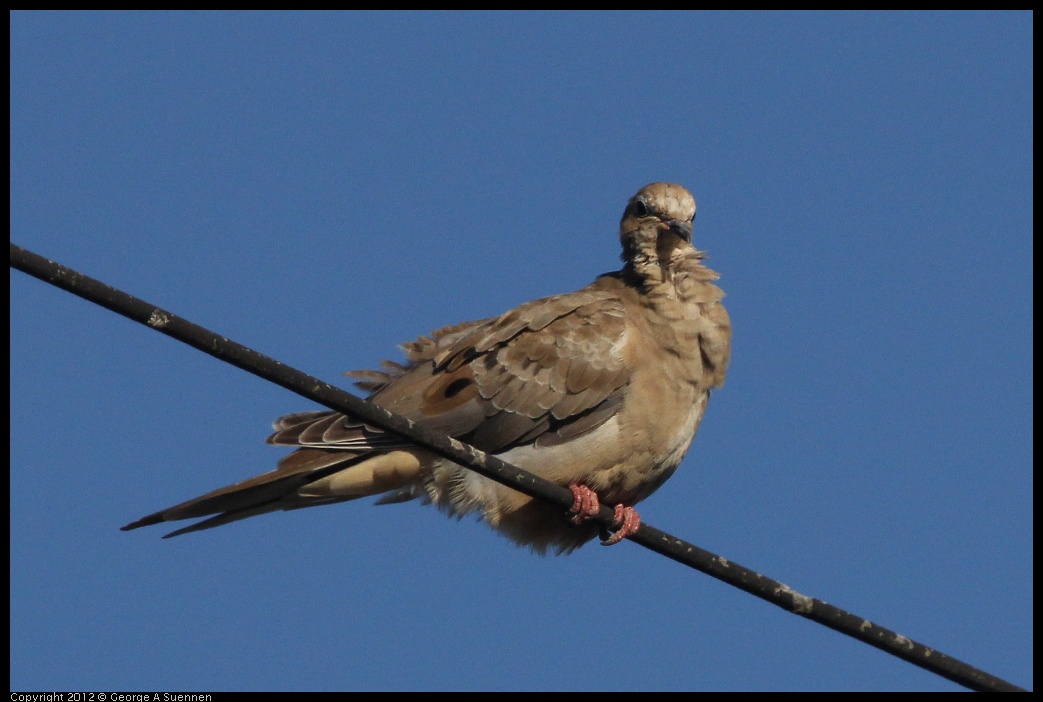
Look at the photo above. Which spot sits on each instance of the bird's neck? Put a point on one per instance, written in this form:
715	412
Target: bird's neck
671	277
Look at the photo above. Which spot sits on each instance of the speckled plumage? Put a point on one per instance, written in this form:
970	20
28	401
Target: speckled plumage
604	387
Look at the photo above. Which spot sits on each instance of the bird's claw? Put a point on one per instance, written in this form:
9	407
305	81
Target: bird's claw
625	522
586	506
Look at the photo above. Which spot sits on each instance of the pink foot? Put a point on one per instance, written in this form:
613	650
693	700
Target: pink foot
626	522
586	506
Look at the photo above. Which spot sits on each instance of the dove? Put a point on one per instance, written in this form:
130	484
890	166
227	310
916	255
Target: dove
600	390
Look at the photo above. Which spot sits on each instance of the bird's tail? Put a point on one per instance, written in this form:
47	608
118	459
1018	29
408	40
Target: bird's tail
307	477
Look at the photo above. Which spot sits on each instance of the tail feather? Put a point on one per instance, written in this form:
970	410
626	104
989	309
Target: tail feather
287	503
306	478
263	493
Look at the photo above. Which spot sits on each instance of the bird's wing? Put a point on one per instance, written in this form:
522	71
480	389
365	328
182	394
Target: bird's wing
546	372
542	373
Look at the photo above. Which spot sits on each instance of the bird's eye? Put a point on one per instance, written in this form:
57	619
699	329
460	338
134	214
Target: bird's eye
639	208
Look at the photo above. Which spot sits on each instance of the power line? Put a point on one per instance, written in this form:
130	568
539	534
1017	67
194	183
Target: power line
492	467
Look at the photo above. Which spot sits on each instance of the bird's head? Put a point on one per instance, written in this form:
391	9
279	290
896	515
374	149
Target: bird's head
657	220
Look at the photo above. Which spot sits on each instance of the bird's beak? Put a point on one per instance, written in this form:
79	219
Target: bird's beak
681	229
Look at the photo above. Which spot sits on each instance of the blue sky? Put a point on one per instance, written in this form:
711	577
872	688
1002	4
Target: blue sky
322	187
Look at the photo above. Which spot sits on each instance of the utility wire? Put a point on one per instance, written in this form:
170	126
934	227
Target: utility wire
492	467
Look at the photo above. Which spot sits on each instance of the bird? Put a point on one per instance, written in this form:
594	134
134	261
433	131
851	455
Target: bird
600	390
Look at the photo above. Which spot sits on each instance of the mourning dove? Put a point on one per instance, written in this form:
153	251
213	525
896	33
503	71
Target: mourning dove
600	390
